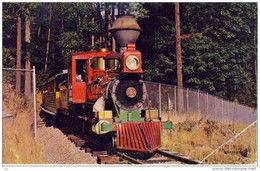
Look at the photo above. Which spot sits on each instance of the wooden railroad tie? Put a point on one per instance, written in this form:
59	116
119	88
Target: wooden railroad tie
71	137
86	149
105	159
98	153
80	143
40	124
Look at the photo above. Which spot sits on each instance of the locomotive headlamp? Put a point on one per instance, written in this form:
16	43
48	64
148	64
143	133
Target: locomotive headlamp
132	62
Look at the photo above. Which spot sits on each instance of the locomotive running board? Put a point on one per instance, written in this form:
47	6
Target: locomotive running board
142	137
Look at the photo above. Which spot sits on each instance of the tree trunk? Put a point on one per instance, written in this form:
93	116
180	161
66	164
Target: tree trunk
109	33
100	22
101	39
79	20
93	22
48	42
62	29
178	58
18	54
113	39
81	34
119	8
106	27
28	78
109	17
62	22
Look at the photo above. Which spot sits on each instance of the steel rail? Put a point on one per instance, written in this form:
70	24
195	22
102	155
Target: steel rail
179	157
109	150
128	158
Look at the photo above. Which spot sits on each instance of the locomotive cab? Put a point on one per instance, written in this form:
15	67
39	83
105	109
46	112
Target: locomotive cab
77	76
85	72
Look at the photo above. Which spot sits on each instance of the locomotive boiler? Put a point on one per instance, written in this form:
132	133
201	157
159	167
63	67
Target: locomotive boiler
102	94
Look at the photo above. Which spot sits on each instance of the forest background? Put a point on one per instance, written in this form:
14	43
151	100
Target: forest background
220	60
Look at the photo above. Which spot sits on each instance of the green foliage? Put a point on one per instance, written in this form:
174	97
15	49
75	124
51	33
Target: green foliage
221	61
156	44
8	59
139	11
223	58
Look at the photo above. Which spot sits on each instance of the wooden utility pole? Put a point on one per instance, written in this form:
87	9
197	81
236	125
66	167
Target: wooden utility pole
178	45
19	54
28	77
180	37
178	58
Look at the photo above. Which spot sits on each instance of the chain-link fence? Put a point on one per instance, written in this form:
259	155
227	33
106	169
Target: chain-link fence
19	94
173	99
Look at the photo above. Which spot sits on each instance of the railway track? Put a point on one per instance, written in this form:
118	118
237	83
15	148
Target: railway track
161	156
108	156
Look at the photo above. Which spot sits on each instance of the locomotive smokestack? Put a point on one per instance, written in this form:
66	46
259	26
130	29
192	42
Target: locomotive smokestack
125	30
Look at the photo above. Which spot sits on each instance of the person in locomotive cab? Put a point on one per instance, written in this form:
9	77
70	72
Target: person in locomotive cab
80	70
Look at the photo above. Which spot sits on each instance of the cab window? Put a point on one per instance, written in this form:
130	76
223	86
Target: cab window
97	63
112	64
100	63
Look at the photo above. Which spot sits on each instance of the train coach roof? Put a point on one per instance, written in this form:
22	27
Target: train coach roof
55	76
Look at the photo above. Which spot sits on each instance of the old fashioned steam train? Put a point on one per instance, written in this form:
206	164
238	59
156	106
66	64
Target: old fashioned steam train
102	94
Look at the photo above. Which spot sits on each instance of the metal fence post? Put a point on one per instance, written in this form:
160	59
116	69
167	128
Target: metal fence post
228	110
222	110
215	108
34	103
160	101
187	99
198	100
207	103
234	113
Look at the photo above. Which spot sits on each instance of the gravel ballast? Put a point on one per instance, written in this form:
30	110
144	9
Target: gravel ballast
60	150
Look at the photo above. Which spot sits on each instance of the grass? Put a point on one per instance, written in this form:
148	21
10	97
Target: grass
19	146
192	135
197	137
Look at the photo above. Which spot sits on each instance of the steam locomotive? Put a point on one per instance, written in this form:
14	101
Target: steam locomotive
102	94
